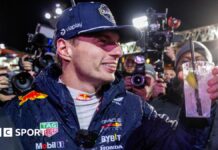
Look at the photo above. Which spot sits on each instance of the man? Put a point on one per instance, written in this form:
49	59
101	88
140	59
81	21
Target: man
84	105
152	86
10	143
5	69
174	101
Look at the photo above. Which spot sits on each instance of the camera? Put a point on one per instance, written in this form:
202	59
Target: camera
157	34
19	83
159	68
42	51
41	61
134	66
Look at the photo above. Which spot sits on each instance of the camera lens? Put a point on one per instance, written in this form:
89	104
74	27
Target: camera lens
138	80
22	81
47	60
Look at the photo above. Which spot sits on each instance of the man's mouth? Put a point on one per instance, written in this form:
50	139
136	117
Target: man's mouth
110	67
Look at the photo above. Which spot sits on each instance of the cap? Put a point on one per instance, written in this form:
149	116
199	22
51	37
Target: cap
149	69
91	17
198	46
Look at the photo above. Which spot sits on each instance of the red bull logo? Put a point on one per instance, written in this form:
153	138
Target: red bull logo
114	124
33	95
83	97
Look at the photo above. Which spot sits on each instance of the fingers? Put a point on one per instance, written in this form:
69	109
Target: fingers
24	57
141	92
5	98
27	65
4	82
213	85
127	82
4	71
215	71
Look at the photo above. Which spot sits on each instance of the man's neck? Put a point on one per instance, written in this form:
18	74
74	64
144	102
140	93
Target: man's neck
75	83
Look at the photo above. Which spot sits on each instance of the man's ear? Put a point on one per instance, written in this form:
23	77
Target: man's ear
63	49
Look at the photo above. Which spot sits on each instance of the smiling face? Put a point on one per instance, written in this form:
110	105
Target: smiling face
92	58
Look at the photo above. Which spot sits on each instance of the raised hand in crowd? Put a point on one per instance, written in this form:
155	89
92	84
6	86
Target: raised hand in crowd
4	83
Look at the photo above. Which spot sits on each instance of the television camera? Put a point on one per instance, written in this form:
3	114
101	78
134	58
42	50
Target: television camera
42	51
158	33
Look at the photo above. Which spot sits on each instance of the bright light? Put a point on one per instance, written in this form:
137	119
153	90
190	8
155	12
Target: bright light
57	5
2	46
140	22
58	11
47	15
148	61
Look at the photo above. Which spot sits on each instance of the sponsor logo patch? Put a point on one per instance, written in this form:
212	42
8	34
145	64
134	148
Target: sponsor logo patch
49	128
32	95
50	145
114	124
106	13
63	31
111	123
83	97
111	147
118	100
110	138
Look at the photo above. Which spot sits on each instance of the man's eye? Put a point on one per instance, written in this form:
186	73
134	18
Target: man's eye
200	59
102	41
185	61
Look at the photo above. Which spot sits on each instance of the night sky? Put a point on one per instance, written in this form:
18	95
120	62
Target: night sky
19	17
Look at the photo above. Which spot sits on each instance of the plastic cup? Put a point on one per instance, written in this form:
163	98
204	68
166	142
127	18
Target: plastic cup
197	100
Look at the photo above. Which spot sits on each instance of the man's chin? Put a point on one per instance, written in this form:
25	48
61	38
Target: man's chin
109	79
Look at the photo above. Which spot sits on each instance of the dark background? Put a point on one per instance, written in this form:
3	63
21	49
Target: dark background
19	17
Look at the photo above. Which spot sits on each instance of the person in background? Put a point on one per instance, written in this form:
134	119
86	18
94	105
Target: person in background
159	89
5	82
7	143
174	100
83	104
150	80
169	74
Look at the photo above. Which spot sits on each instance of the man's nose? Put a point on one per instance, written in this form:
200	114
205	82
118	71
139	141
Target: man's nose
117	51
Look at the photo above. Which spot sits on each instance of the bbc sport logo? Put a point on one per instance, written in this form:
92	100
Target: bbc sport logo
10	132
6	132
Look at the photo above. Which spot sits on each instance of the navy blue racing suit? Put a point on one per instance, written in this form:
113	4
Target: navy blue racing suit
122	120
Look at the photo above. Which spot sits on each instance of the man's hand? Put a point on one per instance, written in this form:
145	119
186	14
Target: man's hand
4	98
141	92
28	66
4	83
213	85
127	82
